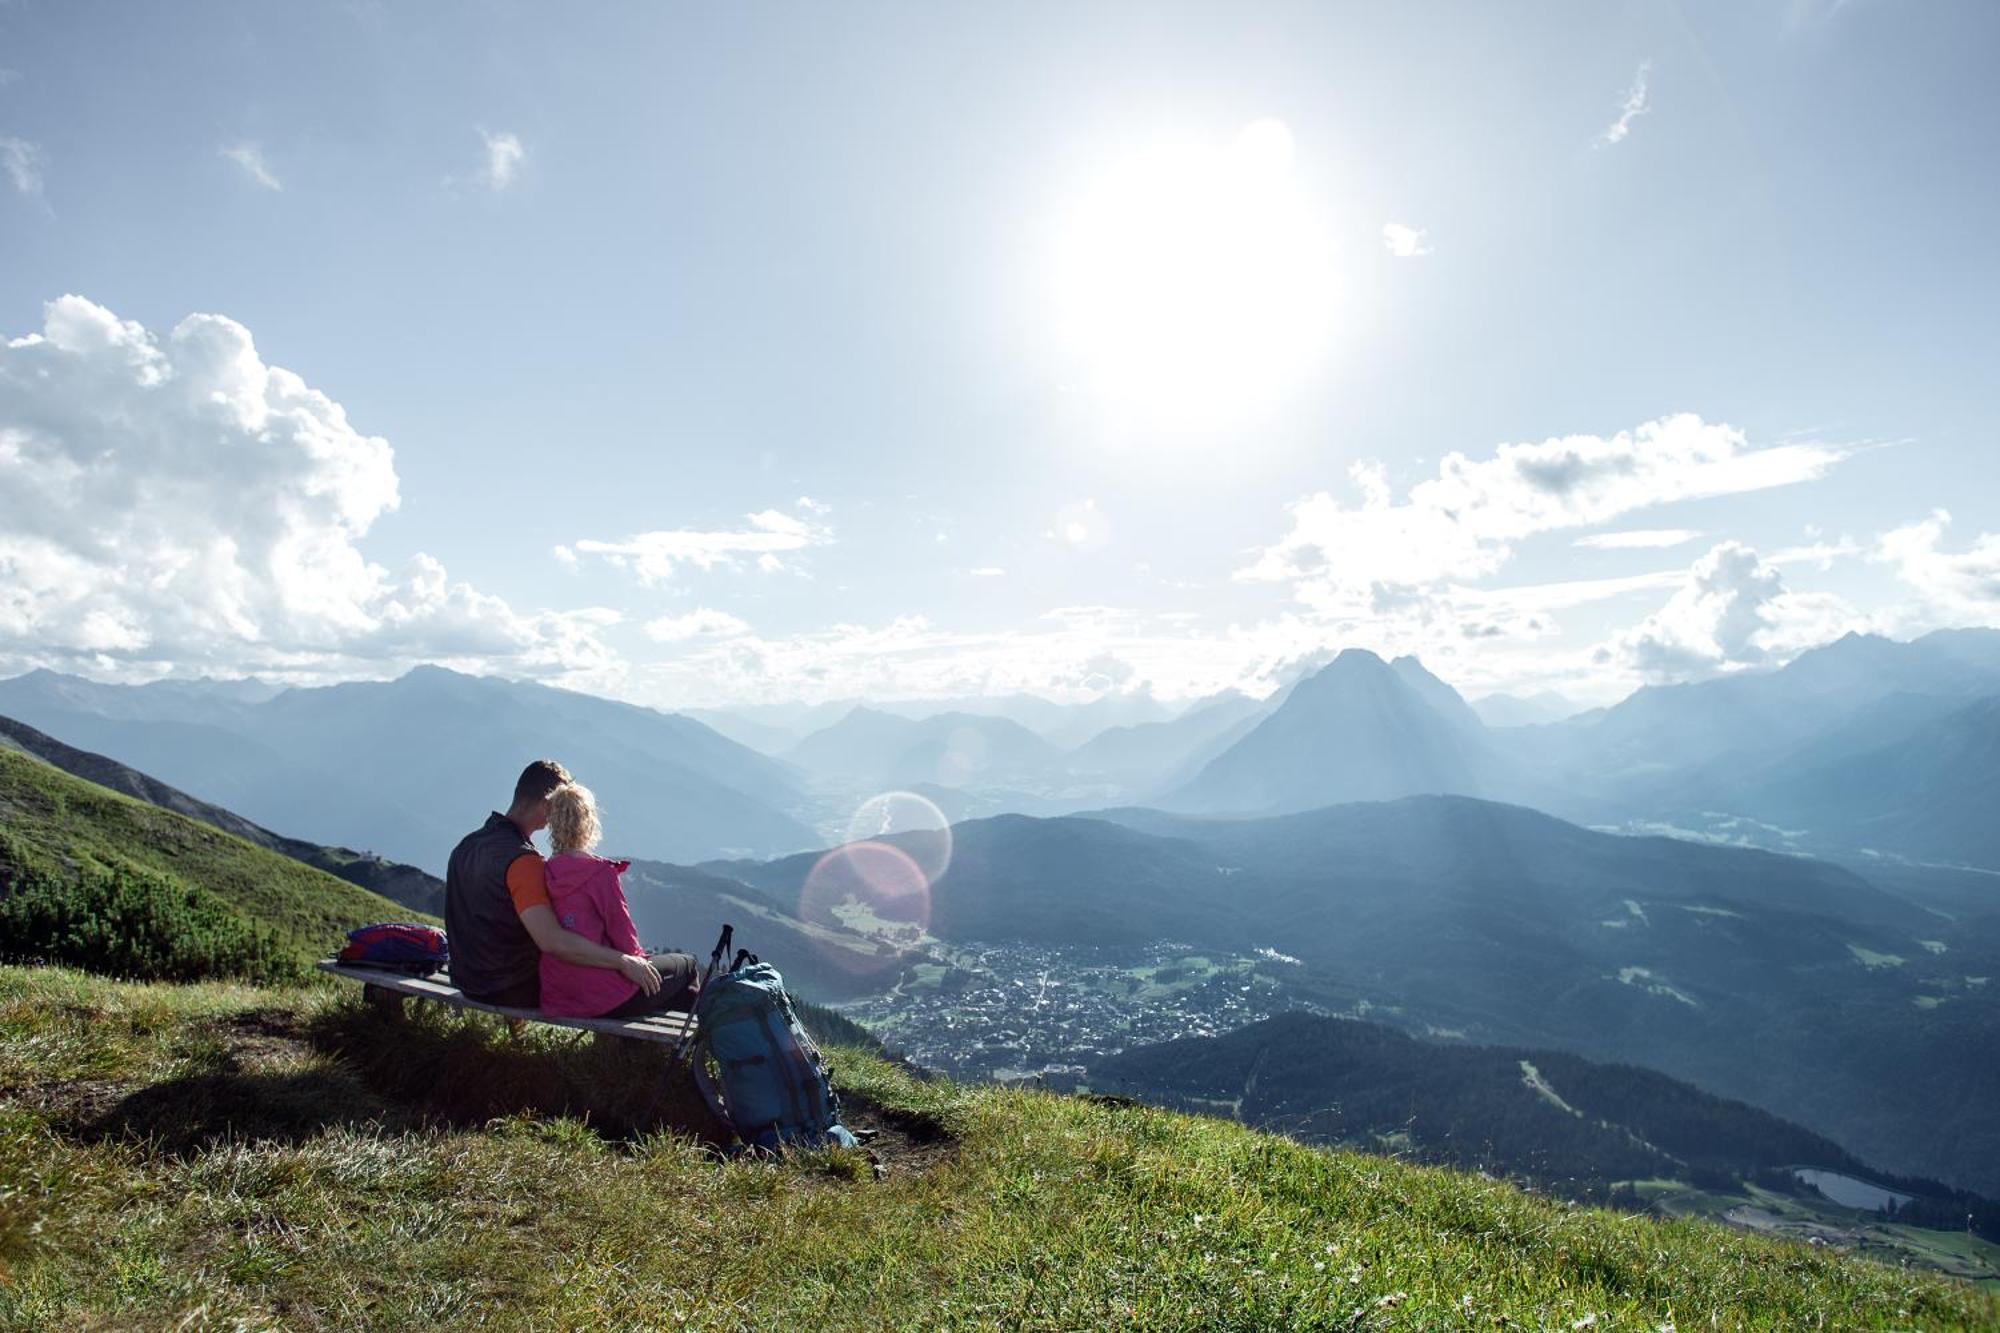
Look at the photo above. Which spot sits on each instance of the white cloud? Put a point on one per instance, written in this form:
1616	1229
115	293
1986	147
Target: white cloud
987	572
504	155
23	163
701	623
176	503
1713	621
251	158
812	506
1731	611
1406	242
1640	539
1084	651
654	556
1954	588
1461	523
1633	107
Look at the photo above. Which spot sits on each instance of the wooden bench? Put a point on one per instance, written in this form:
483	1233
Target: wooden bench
390	989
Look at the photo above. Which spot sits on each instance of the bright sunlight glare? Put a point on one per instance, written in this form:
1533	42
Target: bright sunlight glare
1195	282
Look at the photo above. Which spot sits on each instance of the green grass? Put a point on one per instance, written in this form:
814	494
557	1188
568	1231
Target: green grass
216	1156
61	829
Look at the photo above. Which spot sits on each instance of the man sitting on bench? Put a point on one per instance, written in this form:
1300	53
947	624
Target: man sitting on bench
496	906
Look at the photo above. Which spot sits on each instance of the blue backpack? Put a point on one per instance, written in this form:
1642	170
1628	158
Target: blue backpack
775	1084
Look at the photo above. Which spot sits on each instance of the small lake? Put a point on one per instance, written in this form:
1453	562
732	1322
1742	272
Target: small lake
1849	1192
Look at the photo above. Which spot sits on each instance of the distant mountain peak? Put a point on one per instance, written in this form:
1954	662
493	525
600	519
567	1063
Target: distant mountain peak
1359	728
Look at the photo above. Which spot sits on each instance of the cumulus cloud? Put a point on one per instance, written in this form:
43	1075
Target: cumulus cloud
1406	242
701	623
1954	587
251	158
1462	523
504	155
766	536
175	502
1712	621
1640	539
1633	107
23	163
1731	611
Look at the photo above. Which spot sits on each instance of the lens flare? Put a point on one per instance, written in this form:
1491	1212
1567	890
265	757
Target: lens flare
871	889
910	822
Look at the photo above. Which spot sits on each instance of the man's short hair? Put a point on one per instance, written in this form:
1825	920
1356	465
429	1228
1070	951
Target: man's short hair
538	780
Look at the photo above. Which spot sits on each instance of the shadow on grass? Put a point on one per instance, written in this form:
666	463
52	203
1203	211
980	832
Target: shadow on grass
466	1069
186	1116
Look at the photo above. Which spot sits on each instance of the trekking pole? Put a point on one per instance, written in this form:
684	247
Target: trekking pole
685	1054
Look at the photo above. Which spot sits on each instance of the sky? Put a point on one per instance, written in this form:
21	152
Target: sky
701	355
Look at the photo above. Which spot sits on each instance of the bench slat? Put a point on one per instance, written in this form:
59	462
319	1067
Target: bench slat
669	1028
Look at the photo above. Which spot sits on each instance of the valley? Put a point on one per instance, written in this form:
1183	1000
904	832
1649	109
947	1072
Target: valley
1015	1011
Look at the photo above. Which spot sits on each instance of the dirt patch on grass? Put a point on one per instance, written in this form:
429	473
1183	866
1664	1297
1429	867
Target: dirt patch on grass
67	1101
899	1142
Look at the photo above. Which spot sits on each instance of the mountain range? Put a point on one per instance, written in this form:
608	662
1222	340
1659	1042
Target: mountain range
875	749
406	767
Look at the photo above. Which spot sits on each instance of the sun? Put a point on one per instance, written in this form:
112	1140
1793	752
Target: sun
1195	282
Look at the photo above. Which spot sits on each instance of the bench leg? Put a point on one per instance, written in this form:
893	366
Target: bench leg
387	1003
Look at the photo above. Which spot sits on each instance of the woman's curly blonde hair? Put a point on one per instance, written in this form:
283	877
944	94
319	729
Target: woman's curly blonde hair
573	825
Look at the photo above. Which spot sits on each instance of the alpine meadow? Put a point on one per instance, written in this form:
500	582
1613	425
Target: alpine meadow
1282	666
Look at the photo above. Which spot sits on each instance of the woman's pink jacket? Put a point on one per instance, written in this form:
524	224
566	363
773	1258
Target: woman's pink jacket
587	898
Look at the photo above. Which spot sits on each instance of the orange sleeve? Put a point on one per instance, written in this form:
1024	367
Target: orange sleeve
528	881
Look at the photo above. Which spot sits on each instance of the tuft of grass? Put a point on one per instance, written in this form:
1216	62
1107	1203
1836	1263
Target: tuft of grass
1053	1212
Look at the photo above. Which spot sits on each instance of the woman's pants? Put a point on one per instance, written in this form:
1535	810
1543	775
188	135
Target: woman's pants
678	972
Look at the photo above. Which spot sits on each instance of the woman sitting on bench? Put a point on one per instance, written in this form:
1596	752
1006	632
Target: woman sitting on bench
586	896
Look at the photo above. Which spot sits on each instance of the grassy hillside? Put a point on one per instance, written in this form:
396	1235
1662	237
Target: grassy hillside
404	884
77	848
215	1156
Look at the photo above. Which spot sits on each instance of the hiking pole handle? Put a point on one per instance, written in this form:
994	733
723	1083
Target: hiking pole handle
721	952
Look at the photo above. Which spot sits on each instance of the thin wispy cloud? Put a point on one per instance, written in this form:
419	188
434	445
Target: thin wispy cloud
1634	106
1406	242
701	623
251	158
1639	539
8	76
23	163
767	538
